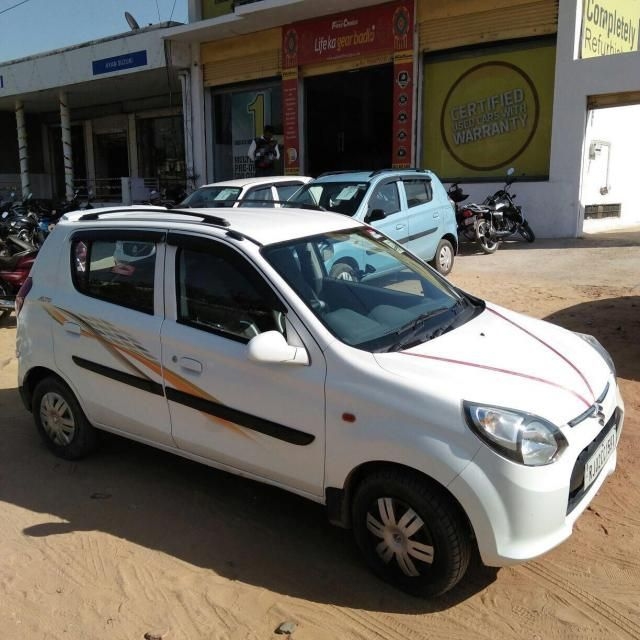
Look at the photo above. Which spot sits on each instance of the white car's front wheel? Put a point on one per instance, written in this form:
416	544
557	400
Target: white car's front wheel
410	532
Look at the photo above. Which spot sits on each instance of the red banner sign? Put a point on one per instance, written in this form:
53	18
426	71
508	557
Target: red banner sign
387	27
290	121
402	111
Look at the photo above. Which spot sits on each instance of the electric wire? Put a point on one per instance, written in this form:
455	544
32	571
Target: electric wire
23	2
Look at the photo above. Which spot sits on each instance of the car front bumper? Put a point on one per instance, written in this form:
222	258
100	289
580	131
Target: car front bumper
519	512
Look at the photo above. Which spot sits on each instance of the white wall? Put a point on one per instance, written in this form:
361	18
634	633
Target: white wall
575	81
619	127
74	65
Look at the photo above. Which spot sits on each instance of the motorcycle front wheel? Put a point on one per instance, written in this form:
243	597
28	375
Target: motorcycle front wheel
4	292
483	236
527	232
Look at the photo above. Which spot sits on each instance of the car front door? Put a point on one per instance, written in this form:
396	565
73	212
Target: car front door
267	420
384	212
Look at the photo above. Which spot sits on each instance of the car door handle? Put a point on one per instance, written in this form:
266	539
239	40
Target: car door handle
190	364
73	328
400	226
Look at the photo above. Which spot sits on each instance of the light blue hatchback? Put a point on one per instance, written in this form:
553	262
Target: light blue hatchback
409	205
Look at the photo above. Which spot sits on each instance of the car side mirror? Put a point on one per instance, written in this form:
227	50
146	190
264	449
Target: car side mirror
271	347
375	214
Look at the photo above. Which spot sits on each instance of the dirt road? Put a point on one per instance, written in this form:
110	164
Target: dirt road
133	541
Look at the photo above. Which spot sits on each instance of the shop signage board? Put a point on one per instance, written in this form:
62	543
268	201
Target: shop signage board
484	113
120	63
609	27
351	35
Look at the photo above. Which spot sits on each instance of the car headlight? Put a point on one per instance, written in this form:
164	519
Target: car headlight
600	349
521	437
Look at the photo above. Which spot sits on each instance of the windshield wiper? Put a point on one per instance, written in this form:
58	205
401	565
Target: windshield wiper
417	324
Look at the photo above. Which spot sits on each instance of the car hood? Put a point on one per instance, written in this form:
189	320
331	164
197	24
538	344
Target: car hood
509	360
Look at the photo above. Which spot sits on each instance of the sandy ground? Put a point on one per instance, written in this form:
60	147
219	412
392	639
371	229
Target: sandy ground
133	543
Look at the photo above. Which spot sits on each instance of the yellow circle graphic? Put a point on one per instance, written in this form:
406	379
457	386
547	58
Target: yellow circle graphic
490	115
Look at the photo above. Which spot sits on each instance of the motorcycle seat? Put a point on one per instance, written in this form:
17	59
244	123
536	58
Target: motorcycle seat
9	262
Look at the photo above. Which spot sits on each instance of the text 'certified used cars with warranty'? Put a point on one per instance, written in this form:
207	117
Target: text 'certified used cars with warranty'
428	421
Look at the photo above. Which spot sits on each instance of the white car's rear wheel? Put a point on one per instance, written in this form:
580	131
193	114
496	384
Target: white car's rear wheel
60	420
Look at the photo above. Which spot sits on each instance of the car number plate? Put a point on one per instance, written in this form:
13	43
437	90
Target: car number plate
597	461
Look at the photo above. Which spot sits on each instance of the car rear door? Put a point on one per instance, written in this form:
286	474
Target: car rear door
258	197
107	329
267	420
423	216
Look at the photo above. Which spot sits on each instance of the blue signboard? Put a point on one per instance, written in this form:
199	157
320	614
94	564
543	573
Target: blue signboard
119	63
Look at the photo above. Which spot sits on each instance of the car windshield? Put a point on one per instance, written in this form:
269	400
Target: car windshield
368	291
219	196
341	197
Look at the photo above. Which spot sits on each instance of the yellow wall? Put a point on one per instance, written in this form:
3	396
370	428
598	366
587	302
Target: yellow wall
485	111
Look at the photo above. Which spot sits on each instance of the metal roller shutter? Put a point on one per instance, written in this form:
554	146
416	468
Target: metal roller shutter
248	67
446	25
345	65
248	57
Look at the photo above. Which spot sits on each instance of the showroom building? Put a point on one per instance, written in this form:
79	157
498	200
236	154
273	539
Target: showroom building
467	89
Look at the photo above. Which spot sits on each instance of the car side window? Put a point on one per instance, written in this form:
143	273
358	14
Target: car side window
285	191
261	197
418	192
117	271
220	292
385	197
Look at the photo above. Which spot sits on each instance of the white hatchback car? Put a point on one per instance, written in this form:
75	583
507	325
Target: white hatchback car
245	192
429	421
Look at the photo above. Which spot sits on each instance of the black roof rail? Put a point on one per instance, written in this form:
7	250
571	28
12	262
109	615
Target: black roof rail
204	216
416	169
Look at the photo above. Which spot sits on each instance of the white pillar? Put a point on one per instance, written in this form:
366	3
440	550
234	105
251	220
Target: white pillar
187	121
132	141
198	125
23	150
67	155
88	154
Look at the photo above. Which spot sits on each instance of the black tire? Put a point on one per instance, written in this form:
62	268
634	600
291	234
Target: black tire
443	260
483	236
344	271
527	232
433	556
4	291
60	420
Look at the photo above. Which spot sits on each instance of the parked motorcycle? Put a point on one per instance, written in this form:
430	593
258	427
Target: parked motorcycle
473	220
14	271
49	219
22	221
507	218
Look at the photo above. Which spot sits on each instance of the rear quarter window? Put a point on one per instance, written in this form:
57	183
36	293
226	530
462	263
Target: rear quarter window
116	271
418	192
